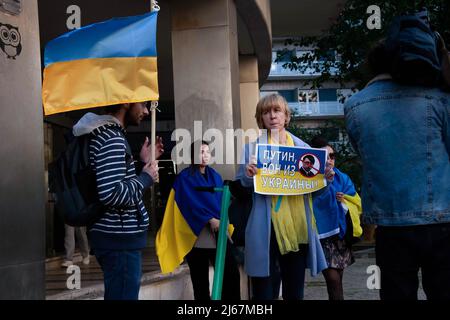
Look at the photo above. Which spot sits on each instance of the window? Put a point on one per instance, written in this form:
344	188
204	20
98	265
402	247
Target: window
319	102
285	55
328	95
289	95
307	96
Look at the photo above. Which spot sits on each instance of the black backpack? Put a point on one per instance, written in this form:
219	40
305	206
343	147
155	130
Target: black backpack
413	47
73	182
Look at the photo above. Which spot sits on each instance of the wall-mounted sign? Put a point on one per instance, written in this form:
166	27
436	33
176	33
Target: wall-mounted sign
13	7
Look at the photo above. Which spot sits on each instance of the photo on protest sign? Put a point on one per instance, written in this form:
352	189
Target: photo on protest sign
285	170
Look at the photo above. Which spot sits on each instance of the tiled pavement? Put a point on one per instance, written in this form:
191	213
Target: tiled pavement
355	277
354	280
91	275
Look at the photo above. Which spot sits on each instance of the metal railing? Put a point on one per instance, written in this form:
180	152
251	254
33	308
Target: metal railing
277	70
325	108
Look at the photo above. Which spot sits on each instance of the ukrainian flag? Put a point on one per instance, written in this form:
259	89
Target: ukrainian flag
187	213
102	64
355	209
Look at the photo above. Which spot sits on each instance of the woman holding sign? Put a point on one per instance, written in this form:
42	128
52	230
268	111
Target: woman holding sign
337	212
280	233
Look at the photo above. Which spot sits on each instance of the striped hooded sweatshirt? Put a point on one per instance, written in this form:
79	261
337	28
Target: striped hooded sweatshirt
124	224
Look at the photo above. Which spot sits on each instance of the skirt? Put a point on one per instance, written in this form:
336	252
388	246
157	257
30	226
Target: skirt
337	253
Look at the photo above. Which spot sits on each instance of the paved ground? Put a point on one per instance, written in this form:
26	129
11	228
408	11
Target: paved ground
91	275
355	277
355	281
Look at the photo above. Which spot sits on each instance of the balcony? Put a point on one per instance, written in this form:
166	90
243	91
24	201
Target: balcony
317	109
277	70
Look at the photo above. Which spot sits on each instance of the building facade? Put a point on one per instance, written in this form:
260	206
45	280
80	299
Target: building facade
213	55
311	108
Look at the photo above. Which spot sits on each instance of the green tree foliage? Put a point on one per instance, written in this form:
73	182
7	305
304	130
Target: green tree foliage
339	55
340	52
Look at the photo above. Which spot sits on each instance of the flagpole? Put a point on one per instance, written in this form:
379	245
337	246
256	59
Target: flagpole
153	108
221	248
154	105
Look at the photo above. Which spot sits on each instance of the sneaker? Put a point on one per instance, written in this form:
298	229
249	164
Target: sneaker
66	263
86	260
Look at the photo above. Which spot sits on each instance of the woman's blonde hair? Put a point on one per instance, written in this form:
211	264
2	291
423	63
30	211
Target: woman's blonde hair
266	103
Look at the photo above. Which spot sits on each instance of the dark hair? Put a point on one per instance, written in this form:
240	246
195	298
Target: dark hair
310	158
319	142
194	154
112	109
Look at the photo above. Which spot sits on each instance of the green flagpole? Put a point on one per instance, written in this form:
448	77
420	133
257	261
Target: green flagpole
221	244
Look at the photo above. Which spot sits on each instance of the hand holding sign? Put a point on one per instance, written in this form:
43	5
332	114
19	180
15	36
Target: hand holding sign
250	169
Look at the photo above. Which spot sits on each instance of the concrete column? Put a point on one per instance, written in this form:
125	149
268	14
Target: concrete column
249	84
206	68
22	184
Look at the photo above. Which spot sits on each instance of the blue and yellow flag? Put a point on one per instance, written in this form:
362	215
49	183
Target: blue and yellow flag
187	213
329	212
102	64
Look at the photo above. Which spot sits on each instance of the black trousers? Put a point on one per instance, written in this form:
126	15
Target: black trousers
402	251
199	259
288	269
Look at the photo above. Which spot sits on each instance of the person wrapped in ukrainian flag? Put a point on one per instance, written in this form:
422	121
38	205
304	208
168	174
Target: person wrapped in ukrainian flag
337	214
190	225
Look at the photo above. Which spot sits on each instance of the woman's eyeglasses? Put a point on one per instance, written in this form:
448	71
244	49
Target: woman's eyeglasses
332	156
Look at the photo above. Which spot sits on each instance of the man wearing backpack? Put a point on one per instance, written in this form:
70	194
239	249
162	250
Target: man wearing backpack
120	234
402	133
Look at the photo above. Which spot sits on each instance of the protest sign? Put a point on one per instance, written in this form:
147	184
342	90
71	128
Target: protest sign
285	170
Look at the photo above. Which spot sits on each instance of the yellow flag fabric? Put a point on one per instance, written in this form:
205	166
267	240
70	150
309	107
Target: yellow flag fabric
175	238
89	83
289	218
187	213
355	209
